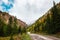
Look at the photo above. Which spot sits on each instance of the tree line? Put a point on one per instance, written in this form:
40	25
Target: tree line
11	28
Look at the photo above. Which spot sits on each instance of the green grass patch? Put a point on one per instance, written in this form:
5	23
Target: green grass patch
15	37
25	37
4	38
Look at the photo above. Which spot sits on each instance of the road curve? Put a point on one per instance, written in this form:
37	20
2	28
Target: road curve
40	37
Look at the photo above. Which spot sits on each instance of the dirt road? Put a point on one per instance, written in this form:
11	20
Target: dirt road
40	37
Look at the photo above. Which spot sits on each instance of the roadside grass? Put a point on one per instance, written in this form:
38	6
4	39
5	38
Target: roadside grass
25	37
57	35
8	38
4	38
17	37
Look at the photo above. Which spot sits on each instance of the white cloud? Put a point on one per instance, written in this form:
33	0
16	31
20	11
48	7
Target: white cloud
30	10
5	1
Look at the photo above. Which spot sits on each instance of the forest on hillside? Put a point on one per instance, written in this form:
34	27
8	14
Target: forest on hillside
10	28
48	23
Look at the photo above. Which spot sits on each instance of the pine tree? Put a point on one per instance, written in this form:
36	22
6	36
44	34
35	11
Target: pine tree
5	30
56	18
19	30
9	28
15	29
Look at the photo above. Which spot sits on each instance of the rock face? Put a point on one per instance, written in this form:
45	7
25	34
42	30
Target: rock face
5	17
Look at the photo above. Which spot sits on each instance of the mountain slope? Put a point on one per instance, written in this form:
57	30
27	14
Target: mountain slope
49	22
5	17
10	25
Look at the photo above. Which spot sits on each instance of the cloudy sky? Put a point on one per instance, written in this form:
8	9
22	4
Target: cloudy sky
26	10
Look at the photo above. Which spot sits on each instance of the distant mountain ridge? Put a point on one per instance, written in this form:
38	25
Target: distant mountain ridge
5	17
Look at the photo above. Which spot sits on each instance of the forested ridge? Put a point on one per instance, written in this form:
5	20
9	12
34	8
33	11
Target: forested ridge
49	22
10	25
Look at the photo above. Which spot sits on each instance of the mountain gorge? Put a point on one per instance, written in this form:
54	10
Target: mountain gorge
49	22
